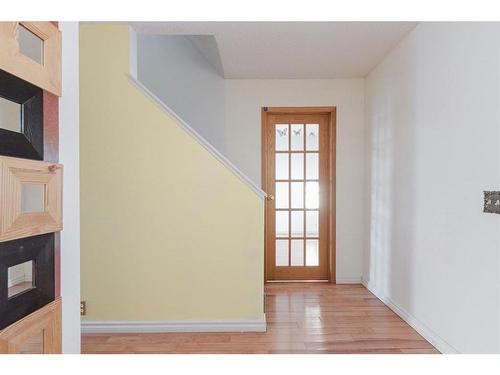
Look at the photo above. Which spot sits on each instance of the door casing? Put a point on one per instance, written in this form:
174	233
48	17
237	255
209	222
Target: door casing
332	113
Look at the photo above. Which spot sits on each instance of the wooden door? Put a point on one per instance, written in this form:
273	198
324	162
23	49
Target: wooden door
299	179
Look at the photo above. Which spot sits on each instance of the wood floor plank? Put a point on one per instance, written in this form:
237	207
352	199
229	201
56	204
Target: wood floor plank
301	318
370	344
420	351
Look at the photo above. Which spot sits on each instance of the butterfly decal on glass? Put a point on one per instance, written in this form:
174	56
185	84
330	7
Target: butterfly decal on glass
312	134
282	132
297	132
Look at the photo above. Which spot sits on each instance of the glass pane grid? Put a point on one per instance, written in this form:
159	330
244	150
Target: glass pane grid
297	182
282	137
282	257
297	209
312	252
281	167
282	224
297	224
282	194
297	166
297	194
312	166
312	137
301	238
297	253
297	137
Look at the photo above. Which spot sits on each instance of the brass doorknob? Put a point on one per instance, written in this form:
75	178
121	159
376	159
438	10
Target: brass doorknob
270	197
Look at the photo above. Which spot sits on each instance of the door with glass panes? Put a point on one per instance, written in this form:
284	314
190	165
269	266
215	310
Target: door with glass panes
298	180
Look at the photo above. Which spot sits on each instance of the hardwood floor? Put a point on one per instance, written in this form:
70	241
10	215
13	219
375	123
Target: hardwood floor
301	318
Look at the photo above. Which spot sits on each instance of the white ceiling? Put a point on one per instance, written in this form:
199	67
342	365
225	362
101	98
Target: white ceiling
290	49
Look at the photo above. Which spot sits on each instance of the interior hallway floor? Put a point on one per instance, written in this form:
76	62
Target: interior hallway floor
301	318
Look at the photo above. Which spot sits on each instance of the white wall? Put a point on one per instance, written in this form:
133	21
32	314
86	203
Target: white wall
433	119
178	73
69	156
244	100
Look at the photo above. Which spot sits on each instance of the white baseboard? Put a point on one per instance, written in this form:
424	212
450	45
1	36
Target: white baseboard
172	326
416	324
348	280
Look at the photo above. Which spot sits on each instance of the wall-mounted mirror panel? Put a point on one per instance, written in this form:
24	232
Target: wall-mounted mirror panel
32	198
32	52
10	115
21	118
26	276
20	278
30	45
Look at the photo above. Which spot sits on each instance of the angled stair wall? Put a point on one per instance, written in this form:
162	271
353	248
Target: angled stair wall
171	232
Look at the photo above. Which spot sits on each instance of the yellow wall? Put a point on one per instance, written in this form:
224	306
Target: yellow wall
167	232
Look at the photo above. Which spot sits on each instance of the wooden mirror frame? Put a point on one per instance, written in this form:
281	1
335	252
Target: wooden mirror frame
46	75
45	321
13	173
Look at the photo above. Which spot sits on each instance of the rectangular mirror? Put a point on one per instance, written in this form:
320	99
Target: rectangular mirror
27	277
20	278
32	198
30	45
10	115
21	118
